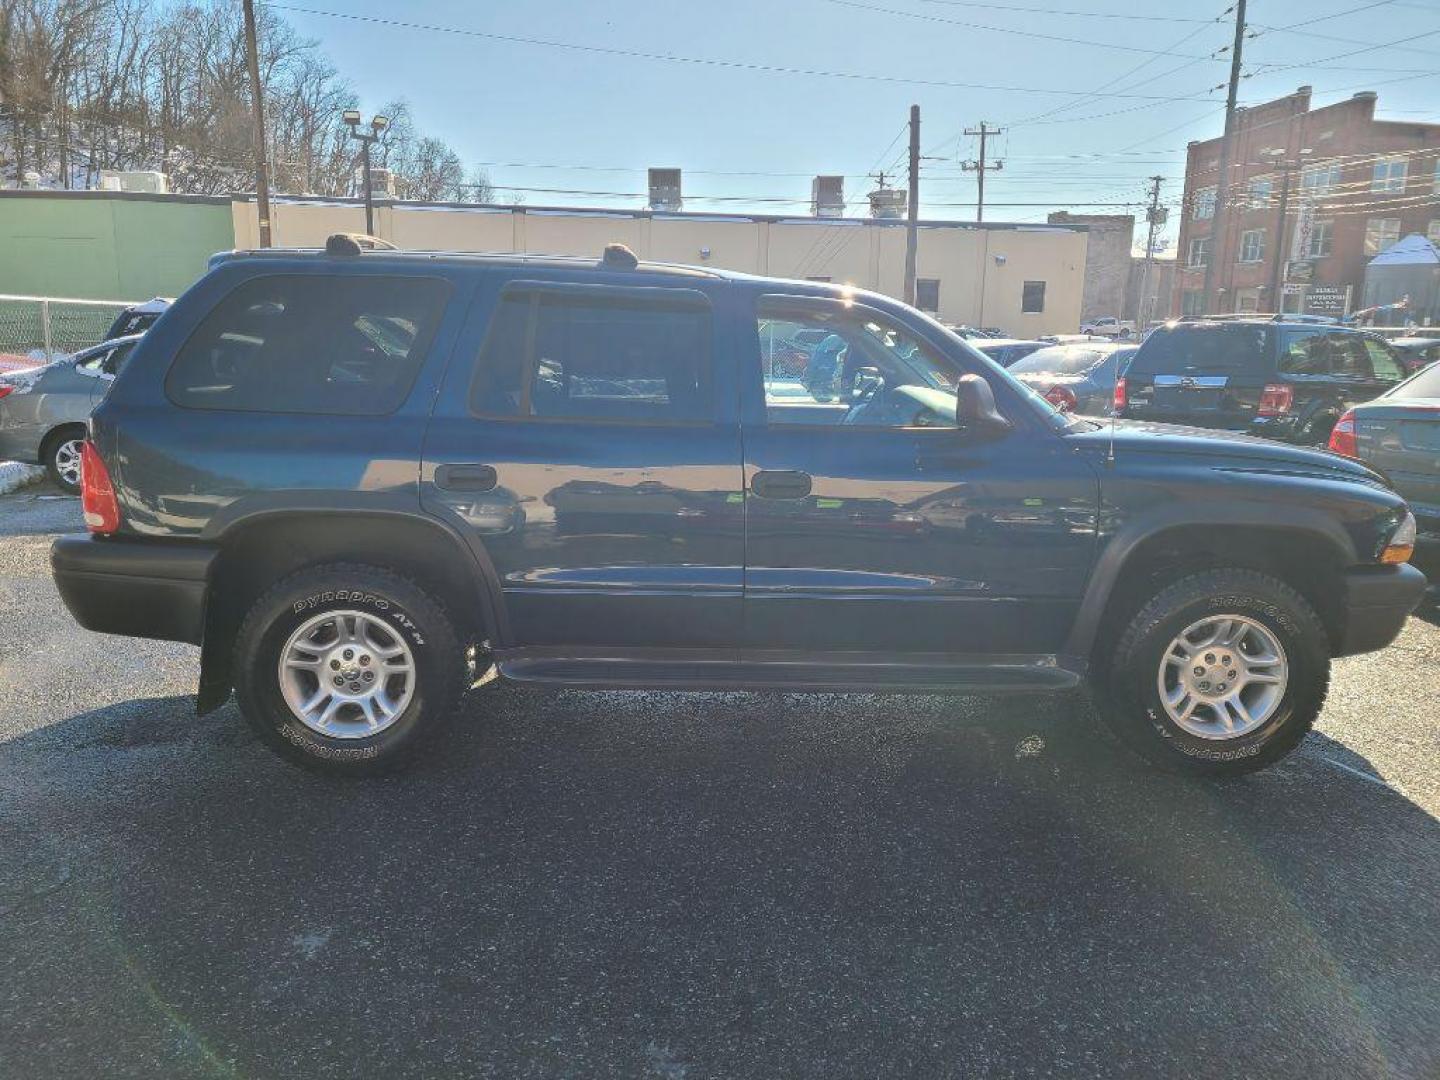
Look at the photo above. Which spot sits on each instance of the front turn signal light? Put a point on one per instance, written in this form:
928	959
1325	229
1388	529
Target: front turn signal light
1402	542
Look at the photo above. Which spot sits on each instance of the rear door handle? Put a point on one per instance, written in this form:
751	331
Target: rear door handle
465	477
781	484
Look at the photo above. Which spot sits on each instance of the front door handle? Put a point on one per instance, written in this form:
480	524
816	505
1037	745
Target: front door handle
781	484
465	477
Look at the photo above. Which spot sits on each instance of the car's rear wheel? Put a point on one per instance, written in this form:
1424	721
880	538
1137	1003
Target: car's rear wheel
1222	673
61	457
347	669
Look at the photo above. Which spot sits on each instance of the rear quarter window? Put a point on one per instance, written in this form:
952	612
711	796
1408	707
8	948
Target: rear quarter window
312	343
1202	348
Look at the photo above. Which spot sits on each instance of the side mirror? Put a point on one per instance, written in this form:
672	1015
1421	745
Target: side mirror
975	410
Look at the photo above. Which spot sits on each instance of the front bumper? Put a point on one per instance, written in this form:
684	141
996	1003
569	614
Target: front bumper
1378	600
138	588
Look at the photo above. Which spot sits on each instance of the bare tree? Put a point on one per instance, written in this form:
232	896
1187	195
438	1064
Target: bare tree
90	85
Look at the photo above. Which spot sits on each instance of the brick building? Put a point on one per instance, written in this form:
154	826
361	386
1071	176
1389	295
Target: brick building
1314	194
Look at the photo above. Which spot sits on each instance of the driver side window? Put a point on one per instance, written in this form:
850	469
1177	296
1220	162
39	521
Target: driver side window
825	364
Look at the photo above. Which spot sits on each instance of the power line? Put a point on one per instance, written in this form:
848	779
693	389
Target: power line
1033	35
676	58
1126	16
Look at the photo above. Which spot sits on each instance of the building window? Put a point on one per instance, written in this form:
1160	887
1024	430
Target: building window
1259	192
1032	300
1252	246
1191	302
1204	204
1199	251
927	294
1380	233
1319	180
1322	240
1389	175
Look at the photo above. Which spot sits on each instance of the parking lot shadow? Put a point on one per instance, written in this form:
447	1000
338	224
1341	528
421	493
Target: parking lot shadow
698	885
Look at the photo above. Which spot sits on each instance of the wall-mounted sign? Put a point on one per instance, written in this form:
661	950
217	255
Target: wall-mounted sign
1333	300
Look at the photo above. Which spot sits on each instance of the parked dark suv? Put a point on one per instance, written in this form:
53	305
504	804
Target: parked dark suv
353	477
1283	380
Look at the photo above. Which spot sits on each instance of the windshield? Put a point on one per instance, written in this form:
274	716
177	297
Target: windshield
1060	360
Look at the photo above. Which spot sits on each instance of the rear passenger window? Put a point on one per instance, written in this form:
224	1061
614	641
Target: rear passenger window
1307	354
1383	362
597	353
314	343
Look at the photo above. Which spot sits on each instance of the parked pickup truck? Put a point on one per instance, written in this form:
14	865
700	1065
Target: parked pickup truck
1108	326
357	477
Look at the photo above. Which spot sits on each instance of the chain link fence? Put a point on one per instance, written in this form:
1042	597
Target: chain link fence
36	328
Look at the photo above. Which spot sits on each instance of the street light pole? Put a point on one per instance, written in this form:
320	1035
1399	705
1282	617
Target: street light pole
377	125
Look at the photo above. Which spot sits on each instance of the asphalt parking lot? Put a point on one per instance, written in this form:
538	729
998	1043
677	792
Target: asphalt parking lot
698	885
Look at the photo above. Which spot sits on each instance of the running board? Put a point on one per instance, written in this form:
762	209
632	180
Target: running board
999	675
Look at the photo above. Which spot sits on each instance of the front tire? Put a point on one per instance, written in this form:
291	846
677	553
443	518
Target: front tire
347	669
1221	673
61	457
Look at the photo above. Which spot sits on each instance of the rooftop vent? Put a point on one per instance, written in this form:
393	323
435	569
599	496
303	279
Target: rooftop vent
887	202
665	189
827	196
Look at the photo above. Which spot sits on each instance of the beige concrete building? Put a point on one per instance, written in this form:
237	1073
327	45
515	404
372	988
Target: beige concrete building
1026	279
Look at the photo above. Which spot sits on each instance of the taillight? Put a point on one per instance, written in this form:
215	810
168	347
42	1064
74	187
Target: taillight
1342	436
1276	399
1062	397
1119	402
6	390
97	494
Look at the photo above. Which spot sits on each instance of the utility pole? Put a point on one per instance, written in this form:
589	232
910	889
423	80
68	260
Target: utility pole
1222	183
912	205
257	98
1277	280
980	165
1155	215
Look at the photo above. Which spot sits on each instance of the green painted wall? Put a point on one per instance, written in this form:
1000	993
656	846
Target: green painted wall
90	245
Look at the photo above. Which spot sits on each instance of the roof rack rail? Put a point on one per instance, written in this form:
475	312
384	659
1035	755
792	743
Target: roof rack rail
342	243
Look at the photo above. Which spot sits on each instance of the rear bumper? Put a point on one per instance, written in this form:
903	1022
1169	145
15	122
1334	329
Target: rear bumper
137	588
1378	600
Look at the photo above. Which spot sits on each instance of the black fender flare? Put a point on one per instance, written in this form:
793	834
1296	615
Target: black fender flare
1116	550
215	676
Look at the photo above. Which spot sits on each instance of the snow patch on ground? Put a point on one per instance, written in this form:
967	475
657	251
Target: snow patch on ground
14	475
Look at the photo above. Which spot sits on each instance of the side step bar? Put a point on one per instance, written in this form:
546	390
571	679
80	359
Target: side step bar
996	675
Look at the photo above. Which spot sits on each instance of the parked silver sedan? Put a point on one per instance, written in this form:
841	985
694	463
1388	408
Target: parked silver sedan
1076	378
43	409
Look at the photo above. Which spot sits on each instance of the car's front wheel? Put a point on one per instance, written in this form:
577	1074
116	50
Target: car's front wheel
1222	673
61	458
347	668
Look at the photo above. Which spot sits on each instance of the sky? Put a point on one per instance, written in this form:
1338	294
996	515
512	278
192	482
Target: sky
567	103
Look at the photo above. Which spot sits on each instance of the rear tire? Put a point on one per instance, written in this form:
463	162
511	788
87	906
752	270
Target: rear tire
347	669
60	454
1218	702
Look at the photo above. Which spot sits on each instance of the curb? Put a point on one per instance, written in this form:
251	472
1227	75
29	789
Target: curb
14	475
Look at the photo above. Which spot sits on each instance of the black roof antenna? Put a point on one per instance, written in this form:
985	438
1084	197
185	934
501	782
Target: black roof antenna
619	257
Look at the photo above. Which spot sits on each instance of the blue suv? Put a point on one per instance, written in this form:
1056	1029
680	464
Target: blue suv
357	478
